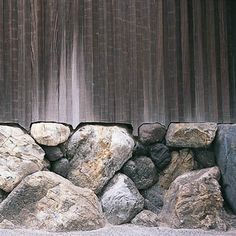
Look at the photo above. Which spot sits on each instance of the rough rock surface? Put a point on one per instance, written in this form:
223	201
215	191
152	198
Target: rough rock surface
153	198
140	149
190	135
150	133
205	158
50	134
121	200
47	201
97	153
19	156
194	201
3	195
52	153
160	155
225	150
142	171
61	167
146	218
182	161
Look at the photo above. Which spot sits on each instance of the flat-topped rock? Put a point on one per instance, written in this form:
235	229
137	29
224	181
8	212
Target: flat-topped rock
50	134
97	152
191	135
46	201
19	156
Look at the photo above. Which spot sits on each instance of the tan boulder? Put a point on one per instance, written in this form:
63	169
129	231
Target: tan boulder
194	201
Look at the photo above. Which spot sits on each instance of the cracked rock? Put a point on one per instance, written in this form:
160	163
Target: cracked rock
19	156
96	153
46	201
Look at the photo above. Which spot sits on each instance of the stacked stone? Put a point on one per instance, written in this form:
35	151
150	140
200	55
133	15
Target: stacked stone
59	179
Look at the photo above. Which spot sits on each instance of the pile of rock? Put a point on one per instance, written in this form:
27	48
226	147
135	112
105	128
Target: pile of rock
59	179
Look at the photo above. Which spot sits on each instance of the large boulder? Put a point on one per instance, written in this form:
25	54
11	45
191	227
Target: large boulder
19	156
150	133
46	201
50	134
225	150
142	171
194	201
160	155
121	200
97	152
153	198
182	161
190	135
146	218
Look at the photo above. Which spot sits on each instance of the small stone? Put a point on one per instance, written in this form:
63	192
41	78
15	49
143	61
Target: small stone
52	153
121	200
190	135
50	134
160	155
194	201
146	218
225	150
97	152
47	164
153	198
46	201
19	156
150	133
182	161
142	171
3	195
61	167
140	149
205	158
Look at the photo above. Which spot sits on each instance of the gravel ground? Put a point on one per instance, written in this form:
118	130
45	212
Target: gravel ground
122	230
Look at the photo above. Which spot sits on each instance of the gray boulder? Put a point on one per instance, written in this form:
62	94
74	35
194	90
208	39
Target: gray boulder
153	198
194	201
97	152
142	171
50	134
146	218
19	156
160	155
121	200
190	135
150	133
61	167
46	201
225	150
